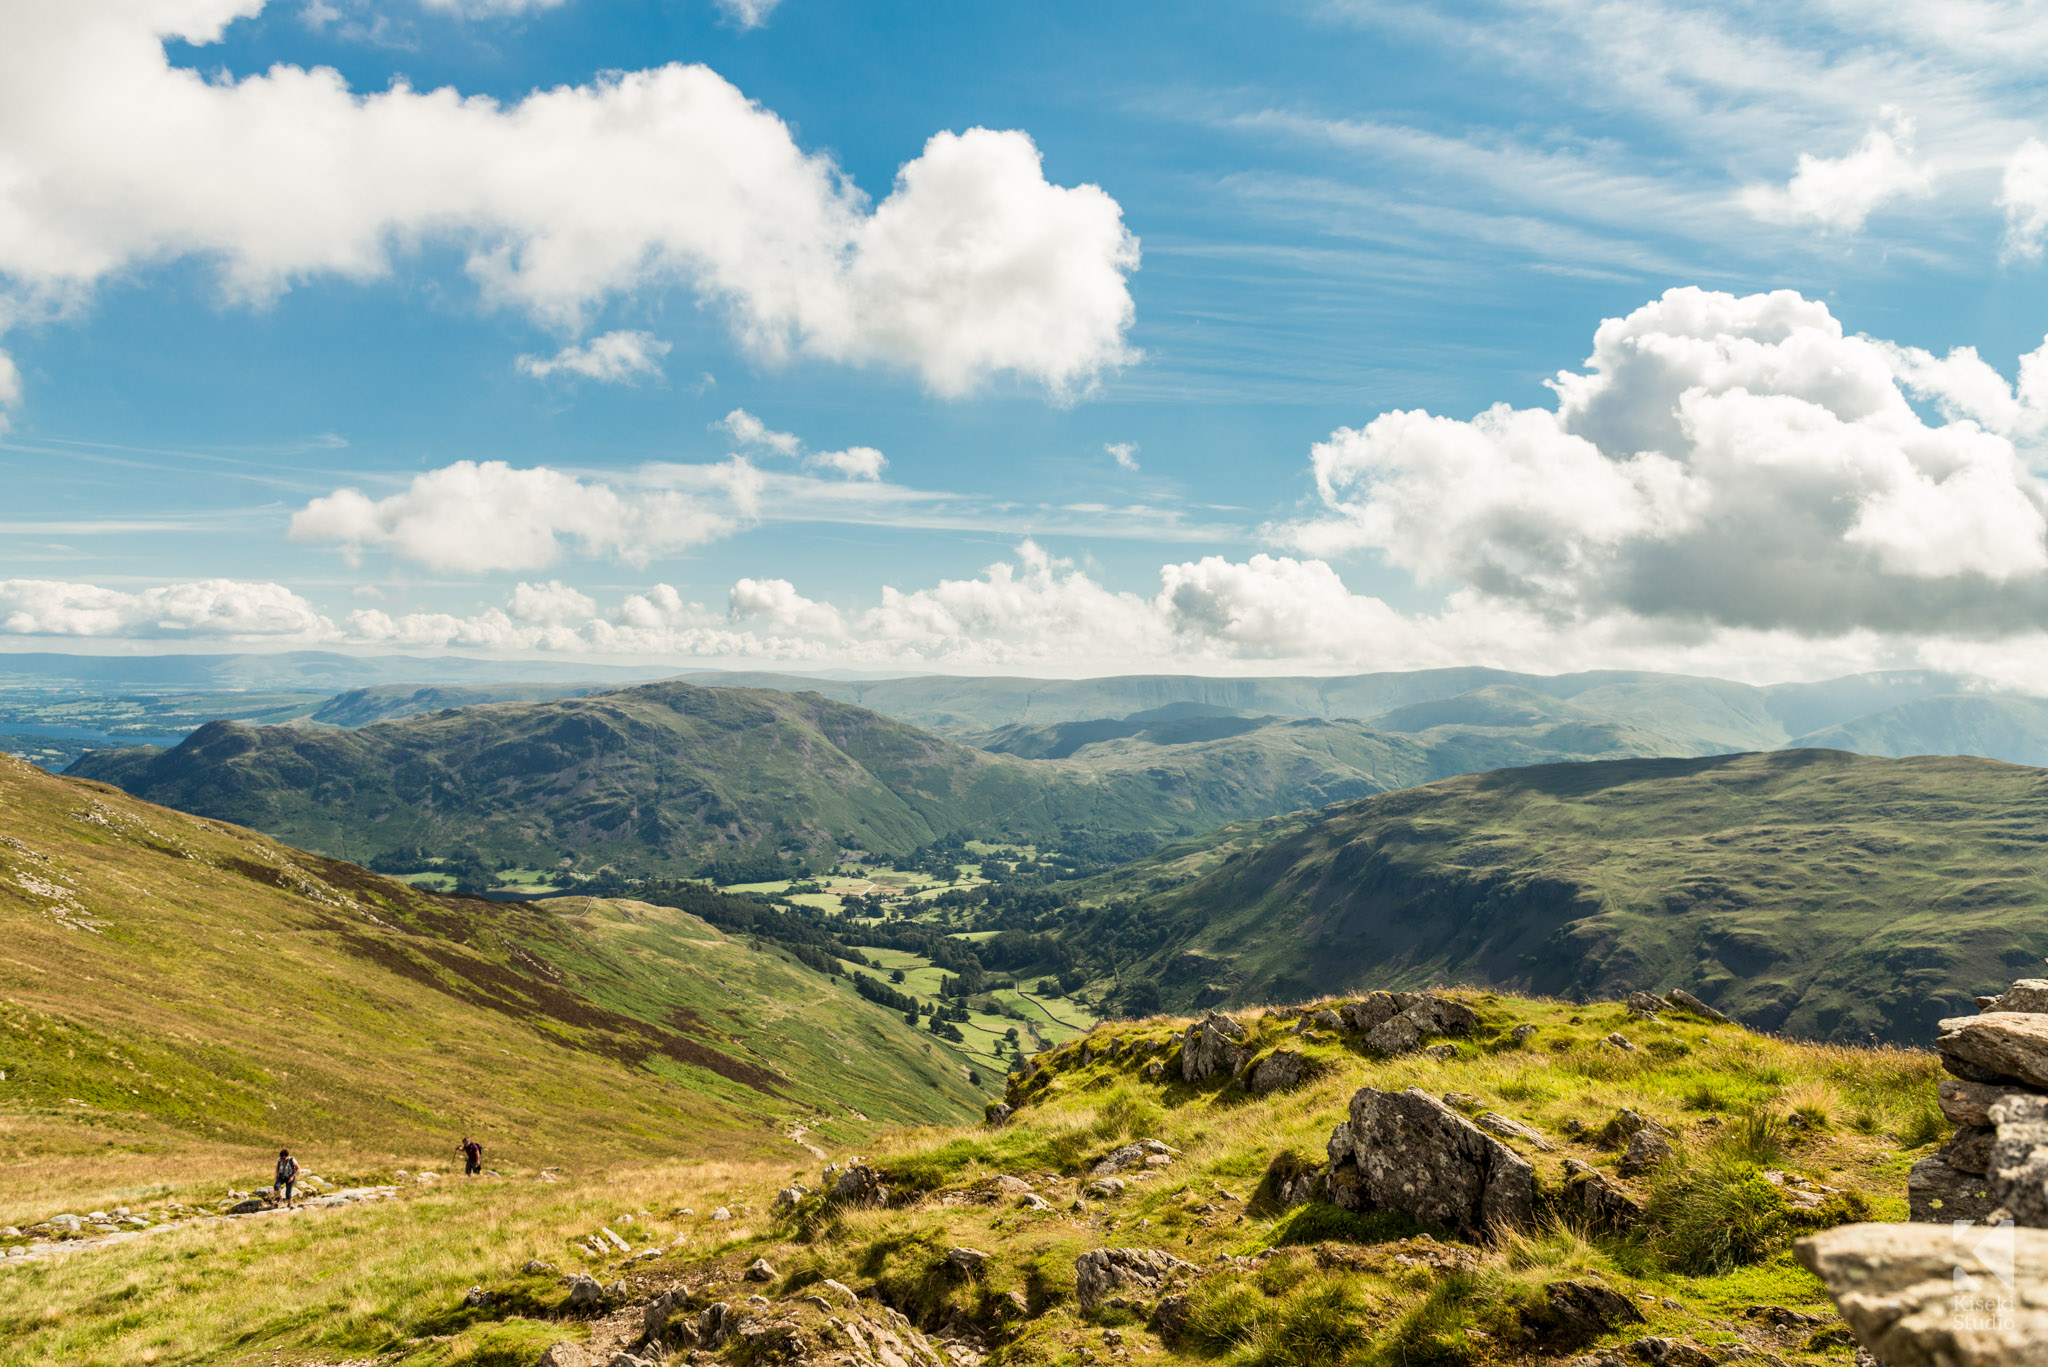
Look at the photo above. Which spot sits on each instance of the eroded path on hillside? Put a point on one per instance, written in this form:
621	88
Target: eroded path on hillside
65	1234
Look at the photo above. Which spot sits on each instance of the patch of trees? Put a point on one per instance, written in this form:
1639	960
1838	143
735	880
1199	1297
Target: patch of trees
879	992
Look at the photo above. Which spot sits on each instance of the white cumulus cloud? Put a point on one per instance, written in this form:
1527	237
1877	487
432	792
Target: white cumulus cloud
623	357
973	266
2023	195
749	430
203	608
748	13
855	462
490	516
1842	192
1124	453
1735	462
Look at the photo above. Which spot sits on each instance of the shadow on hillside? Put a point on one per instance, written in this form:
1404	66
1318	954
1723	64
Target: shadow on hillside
1582	779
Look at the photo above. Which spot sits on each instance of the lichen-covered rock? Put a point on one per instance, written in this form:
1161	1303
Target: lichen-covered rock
1210	1046
1620	1041
1522	1033
1394	1036
759	1270
715	1324
1153	1071
2016	1174
1604	1204
999	1113
657	1319
1276	1072
1573	1314
1105	1272
861	1185
1996	1046
1646	1005
1927	1295
1937	1194
968	1262
564	1355
1408	1151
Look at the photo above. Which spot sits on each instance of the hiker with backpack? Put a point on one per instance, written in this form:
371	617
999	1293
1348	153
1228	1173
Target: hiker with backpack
472	1157
287	1174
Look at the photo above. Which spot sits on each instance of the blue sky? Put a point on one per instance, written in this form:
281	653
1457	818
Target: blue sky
519	330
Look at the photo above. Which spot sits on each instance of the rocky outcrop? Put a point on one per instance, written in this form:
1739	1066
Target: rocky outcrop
1646	1150
1646	1005
1693	1006
1410	1152
585	1294
1493	1122
1106	1275
1417	1016
1135	1156
1995	1165
999	1113
1210	1046
564	1355
1927	1295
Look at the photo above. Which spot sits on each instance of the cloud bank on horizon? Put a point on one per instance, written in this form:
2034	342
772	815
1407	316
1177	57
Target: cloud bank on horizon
1730	482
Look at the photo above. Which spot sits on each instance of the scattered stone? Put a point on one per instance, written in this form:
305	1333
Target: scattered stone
1394	1036
1033	1203
478	1299
1778	1317
1408	1151
1443	1053
1995	1047
1645	1005
1210	1046
999	1113
1495	1123
1576	1313
968	1262
1646	1149
1172	1318
622	1358
655	1319
1924	1295
615	1241
1662	1352
1105	1187
1693	1006
1011	1186
841	1288
1623	1043
585	1294
1104	1271
861	1185
1276	1072
1604	1204
565	1355
247	1206
721	1213
759	1270
789	1198
1521	1033
1139	1154
1153	1071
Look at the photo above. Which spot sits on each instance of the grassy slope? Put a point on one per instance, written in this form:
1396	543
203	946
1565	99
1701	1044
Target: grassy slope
173	985
390	1278
1809	891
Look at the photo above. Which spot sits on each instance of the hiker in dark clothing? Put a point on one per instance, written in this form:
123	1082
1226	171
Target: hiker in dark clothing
287	1174
472	1157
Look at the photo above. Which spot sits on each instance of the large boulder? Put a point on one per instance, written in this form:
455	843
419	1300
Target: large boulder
1647	1005
1140	1153
1603	1203
1969	1149
586	1293
1410	1152
1364	1015
1211	1045
1493	1122
1996	1046
1103	1273
1921	1295
1277	1071
1417	1016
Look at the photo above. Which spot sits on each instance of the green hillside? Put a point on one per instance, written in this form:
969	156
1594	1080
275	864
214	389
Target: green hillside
173	984
1818	893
